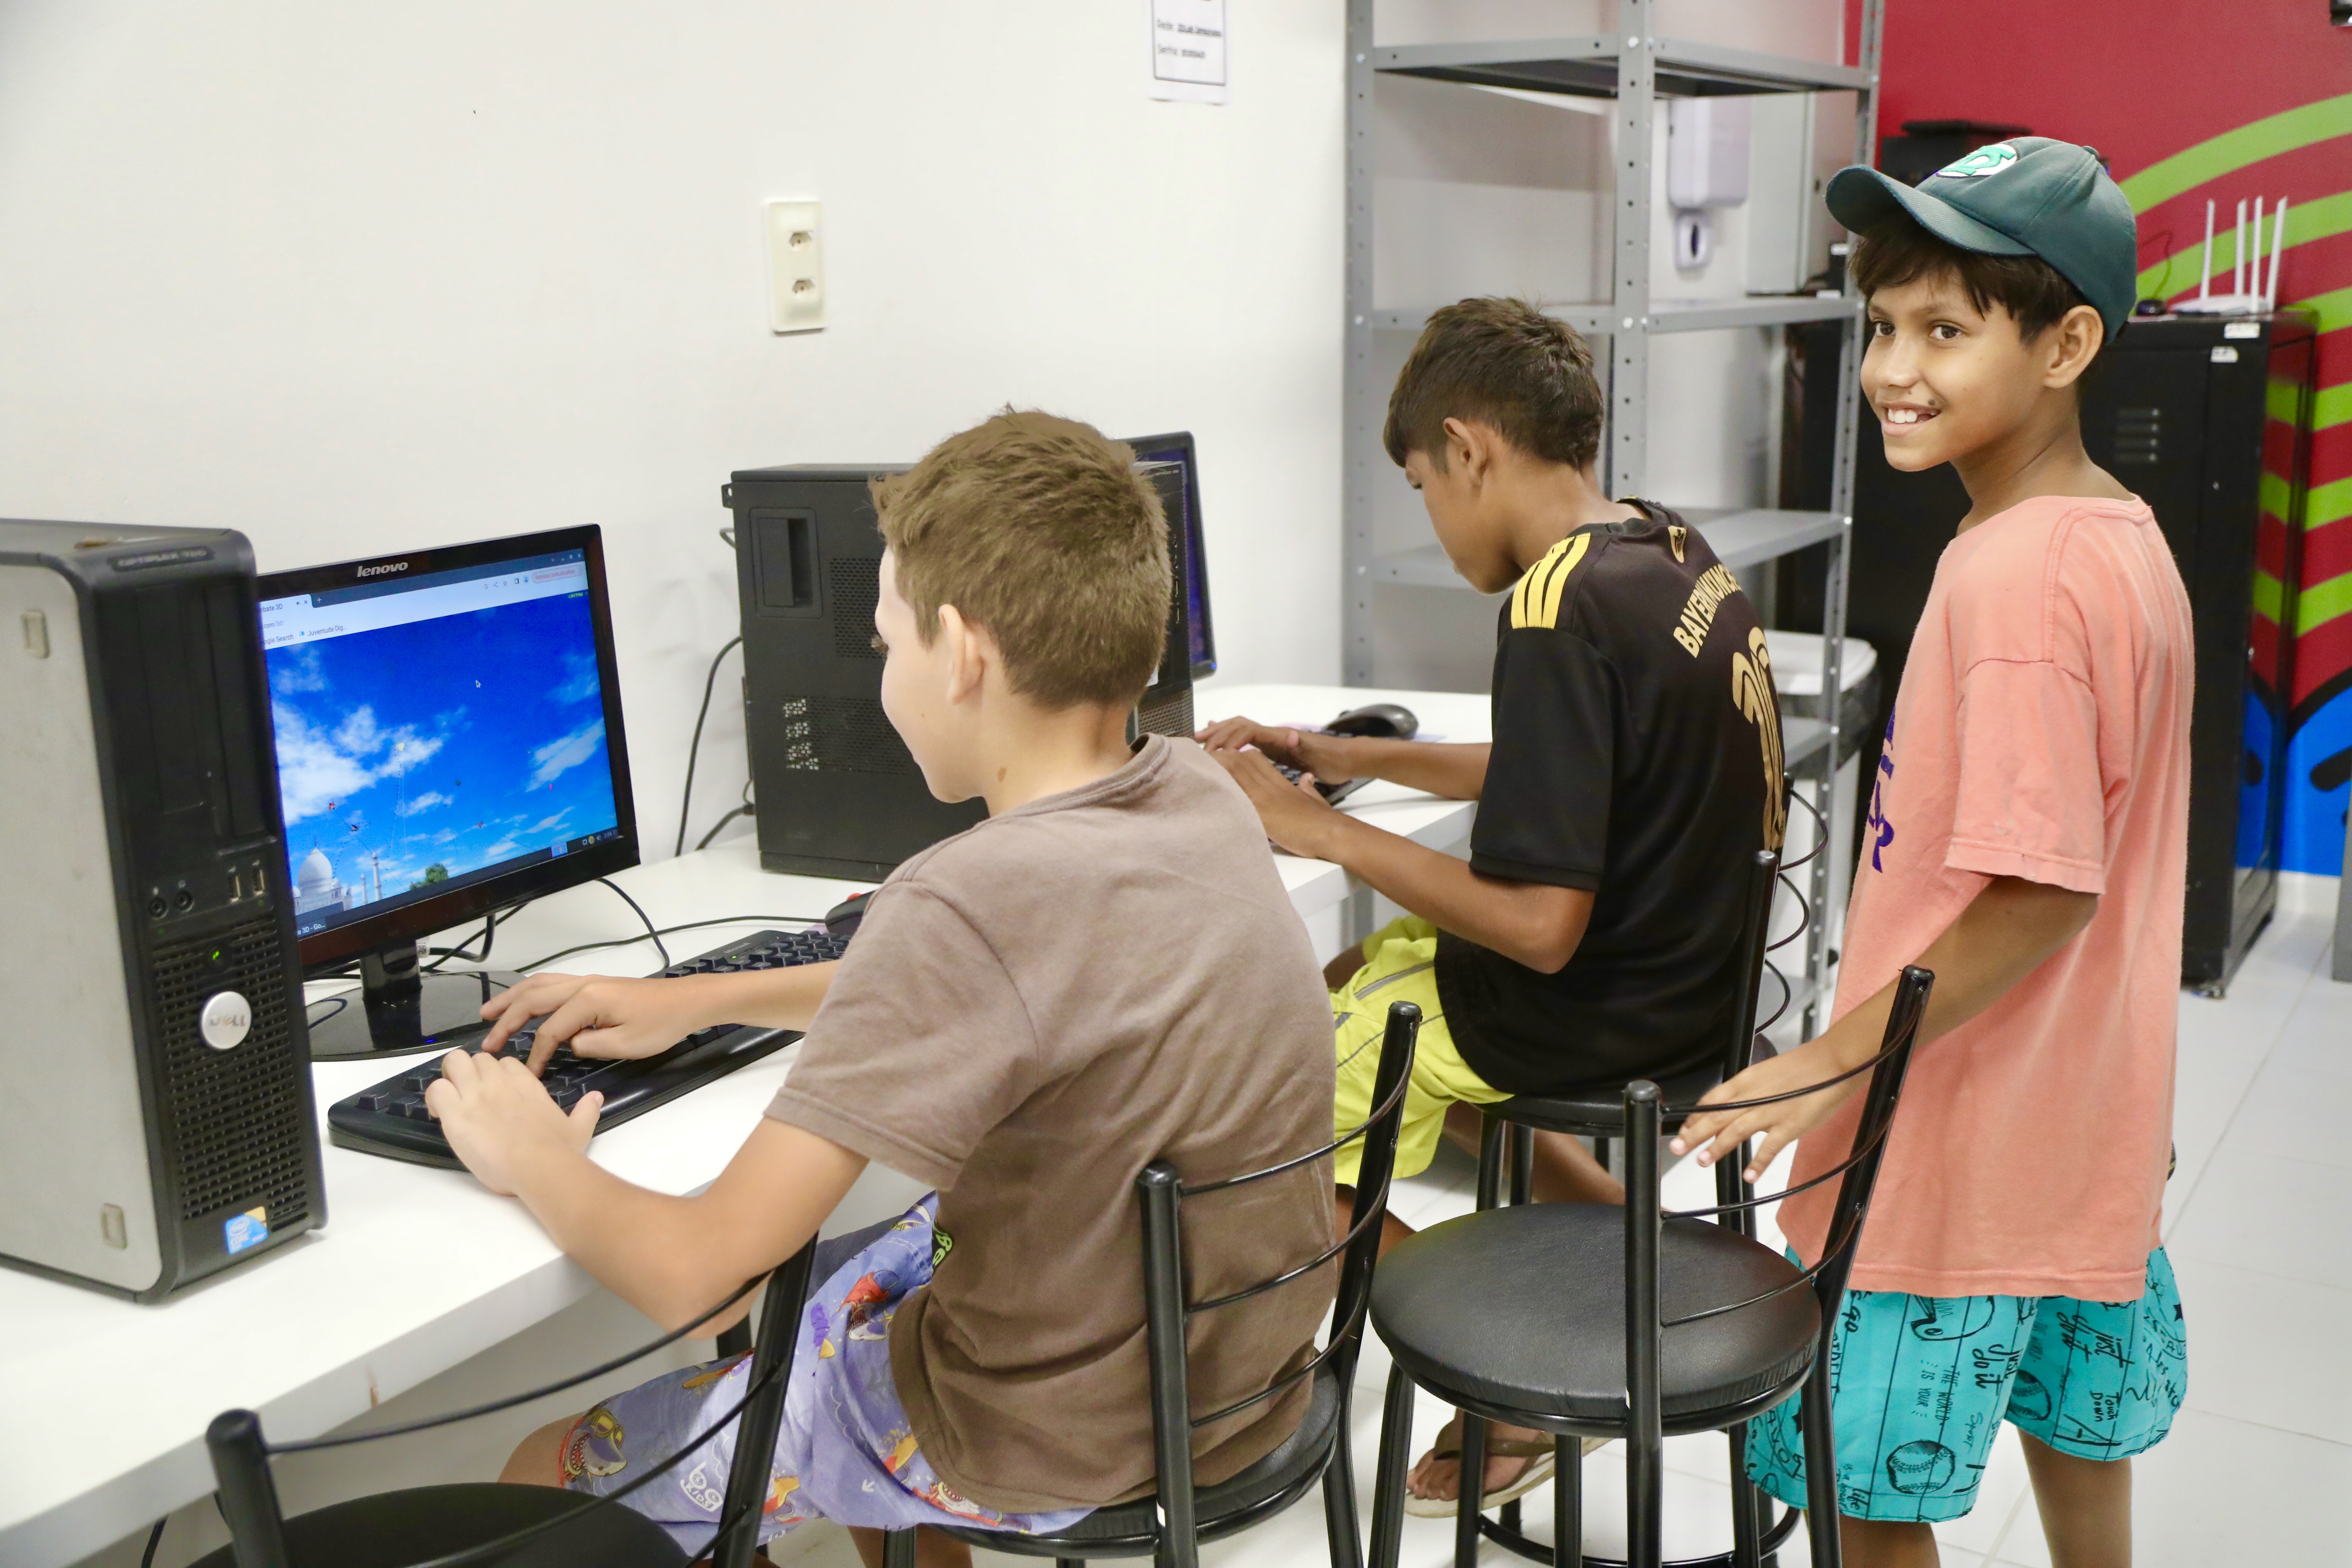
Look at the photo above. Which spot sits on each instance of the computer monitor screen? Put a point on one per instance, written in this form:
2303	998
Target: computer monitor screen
448	735
1178	447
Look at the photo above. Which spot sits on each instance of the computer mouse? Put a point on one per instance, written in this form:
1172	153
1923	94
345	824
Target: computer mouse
843	918
1385	720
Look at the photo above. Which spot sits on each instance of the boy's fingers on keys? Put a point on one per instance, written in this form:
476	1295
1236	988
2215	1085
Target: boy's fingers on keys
583	1116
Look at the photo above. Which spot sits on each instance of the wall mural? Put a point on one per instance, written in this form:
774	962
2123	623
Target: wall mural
2184	114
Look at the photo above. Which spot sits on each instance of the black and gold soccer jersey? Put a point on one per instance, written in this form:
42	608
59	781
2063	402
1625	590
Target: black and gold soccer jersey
1637	756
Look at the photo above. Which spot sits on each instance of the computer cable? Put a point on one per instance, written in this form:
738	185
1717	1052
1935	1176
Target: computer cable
693	747
746	809
154	1538
651	930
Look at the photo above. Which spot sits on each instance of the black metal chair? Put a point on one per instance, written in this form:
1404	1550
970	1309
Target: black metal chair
1633	1324
510	1526
1170	1524
1599	1113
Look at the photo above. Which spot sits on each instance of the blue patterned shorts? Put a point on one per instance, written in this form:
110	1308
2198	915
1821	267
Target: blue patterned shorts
1921	1384
844	1452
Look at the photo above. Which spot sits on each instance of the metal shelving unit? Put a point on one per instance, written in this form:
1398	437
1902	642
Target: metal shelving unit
1636	69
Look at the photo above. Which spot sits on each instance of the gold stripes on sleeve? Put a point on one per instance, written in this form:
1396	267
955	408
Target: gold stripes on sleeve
1536	601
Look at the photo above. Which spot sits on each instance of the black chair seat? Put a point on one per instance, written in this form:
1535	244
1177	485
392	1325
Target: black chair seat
1294	1465
1523	1309
1598	1110
393	1529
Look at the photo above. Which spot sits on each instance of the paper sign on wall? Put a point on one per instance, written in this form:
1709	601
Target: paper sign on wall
1188	51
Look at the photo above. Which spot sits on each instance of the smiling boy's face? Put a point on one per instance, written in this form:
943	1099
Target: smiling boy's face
1945	378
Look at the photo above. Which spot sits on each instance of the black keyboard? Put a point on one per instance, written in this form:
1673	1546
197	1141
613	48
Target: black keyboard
390	1118
1333	793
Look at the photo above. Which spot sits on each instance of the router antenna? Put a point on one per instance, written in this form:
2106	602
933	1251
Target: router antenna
2278	244
2205	268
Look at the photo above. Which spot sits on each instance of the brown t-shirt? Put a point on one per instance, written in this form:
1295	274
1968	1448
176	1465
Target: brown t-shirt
1034	1011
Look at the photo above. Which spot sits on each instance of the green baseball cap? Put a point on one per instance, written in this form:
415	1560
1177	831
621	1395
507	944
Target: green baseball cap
2030	196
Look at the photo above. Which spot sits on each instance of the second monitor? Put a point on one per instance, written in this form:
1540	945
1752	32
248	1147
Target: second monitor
838	793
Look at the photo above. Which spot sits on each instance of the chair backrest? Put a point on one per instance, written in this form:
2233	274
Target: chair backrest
1167	1310
1755	914
1645	1215
248	1494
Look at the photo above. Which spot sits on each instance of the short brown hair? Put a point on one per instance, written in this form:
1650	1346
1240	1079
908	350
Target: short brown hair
2034	293
1040	530
1505	364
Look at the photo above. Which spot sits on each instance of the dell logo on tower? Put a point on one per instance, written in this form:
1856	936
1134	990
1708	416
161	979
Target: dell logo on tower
384	571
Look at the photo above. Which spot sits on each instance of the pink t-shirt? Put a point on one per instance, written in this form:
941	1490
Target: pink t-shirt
2042	732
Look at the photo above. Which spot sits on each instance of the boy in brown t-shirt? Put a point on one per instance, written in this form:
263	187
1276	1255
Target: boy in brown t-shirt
982	1361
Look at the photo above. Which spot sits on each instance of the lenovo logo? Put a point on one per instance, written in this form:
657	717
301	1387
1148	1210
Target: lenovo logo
384	571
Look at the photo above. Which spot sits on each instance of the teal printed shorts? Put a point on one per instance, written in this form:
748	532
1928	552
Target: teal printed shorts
1921	1384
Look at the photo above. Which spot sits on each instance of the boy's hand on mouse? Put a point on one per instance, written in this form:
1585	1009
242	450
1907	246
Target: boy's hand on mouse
1717	1135
1296	817
1306	750
498	1117
599	1015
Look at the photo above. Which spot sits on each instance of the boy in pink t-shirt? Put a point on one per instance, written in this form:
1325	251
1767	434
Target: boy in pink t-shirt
2026	842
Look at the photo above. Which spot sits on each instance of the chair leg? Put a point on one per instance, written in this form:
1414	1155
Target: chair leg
1747	1518
1388	1476
1821	1470
1346	1545
1523	1164
1472	1491
899	1549
1492	1132
1568	1502
1645	1503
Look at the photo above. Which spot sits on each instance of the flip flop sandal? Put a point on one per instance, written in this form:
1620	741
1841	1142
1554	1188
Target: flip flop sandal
1538	1450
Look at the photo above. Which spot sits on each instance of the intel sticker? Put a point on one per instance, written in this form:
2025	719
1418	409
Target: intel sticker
250	1228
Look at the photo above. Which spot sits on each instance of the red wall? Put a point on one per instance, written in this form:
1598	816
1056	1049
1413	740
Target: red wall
2188	102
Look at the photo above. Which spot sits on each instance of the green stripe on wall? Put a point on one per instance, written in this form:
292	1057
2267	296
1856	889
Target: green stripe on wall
2323	602
2332	406
2249	144
2334	307
2267	596
2273	496
2318	219
2327	503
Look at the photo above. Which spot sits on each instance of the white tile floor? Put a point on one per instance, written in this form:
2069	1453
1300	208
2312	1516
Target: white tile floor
2258	1468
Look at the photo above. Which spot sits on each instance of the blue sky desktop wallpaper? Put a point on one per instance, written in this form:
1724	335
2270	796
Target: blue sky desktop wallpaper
411	753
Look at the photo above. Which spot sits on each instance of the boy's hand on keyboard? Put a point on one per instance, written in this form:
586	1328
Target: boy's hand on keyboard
1295	817
1306	750
498	1117
598	1015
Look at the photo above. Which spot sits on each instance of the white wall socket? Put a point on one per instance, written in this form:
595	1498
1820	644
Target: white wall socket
796	266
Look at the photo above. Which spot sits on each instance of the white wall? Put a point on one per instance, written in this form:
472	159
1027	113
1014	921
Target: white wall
360	279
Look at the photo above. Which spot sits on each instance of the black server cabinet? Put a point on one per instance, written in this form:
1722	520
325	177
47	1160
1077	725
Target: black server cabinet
838	793
2209	420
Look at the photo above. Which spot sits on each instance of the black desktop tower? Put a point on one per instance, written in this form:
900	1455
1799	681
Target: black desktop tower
2209	420
838	793
156	1124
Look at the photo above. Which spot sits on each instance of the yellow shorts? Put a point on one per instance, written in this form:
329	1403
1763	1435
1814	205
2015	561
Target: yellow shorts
1400	966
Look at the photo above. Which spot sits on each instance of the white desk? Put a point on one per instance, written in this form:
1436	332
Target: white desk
421	1269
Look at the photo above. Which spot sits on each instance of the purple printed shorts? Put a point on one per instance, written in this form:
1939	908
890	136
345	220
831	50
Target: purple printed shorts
846	1452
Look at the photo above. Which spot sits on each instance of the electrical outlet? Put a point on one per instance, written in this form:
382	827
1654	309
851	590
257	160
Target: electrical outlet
796	266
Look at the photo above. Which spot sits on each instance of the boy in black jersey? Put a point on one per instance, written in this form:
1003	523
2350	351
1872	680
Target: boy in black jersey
1635	768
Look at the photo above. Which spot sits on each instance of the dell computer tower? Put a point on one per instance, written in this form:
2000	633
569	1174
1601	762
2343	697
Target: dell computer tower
155	1111
838	794
2207	419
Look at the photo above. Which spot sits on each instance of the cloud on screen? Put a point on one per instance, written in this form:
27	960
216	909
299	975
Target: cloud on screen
297	671
580	683
565	752
426	802
316	764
